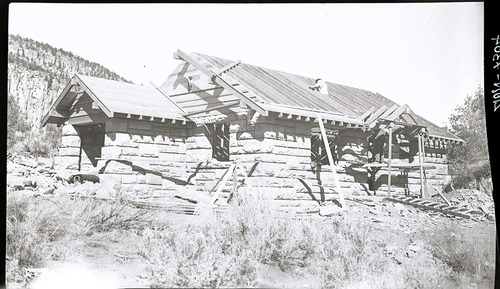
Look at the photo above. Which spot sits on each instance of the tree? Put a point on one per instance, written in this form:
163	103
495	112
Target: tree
470	161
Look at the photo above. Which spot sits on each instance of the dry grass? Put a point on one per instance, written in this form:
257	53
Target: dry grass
229	250
470	256
40	230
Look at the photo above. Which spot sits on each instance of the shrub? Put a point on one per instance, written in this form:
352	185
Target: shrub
467	254
39	230
43	142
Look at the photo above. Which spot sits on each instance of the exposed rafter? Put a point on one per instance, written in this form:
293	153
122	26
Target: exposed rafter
217	79
228	67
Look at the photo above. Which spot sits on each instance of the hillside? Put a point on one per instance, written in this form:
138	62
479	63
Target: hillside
37	72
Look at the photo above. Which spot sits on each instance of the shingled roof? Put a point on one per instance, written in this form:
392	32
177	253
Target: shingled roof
281	91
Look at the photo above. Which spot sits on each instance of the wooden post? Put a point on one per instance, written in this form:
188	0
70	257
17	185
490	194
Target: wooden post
330	159
389	175
421	165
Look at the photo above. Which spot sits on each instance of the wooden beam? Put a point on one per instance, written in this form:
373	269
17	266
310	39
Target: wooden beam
395	114
56	114
376	114
367	113
213	108
217	79
420	162
389	175
88	119
388	111
332	164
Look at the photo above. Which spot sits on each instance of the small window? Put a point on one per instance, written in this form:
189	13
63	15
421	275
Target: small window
319	155
220	150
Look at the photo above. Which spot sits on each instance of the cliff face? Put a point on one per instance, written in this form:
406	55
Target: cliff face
38	72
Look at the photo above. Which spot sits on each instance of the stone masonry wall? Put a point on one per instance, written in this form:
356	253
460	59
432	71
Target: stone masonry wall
146	158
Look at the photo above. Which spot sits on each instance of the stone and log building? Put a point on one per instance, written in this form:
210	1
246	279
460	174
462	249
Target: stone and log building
212	112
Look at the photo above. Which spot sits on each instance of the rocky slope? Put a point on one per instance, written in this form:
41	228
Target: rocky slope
37	72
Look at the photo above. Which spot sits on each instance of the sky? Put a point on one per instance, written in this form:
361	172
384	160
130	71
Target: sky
426	55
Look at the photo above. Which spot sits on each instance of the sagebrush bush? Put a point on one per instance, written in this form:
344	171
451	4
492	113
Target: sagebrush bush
39	230
226	250
464	253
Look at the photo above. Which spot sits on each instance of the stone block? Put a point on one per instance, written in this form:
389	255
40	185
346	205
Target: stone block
154	179
182	148
70	141
234	128
69	151
244	136
161	139
198	155
129	151
198	142
118	139
270	134
254	146
149	150
111	152
68	129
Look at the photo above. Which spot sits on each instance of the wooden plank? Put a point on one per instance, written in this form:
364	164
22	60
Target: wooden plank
332	165
193	196
462	215
442	196
222	183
